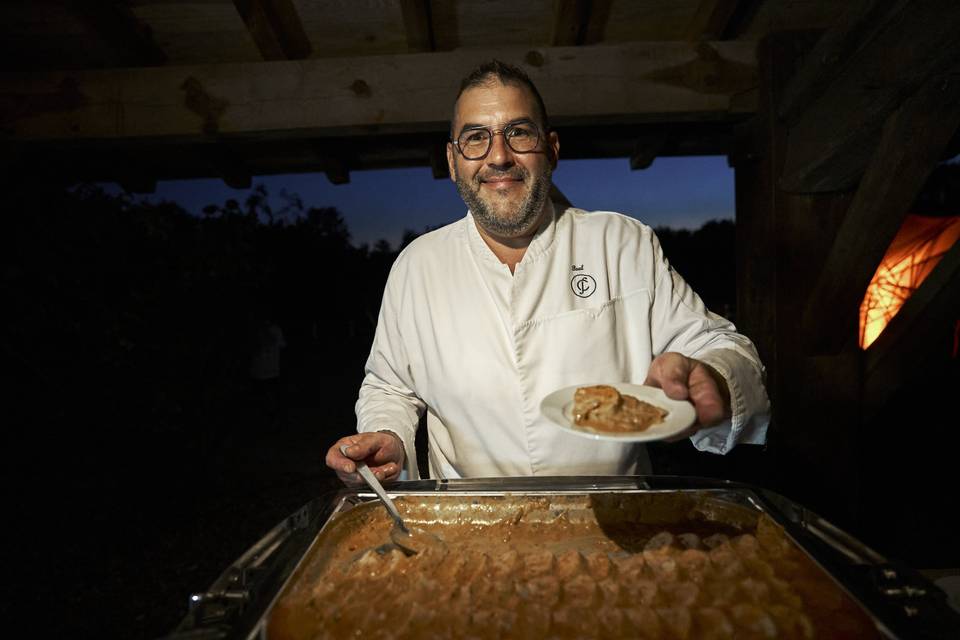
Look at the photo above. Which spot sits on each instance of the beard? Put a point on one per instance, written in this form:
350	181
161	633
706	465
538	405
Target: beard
496	215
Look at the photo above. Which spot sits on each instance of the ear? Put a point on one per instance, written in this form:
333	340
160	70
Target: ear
450	160
553	144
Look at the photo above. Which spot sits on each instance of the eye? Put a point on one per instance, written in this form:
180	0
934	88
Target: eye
473	137
521	131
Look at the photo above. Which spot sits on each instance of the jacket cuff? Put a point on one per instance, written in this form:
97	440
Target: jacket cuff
749	406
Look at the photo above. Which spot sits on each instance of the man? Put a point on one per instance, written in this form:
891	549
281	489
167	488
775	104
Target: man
483	318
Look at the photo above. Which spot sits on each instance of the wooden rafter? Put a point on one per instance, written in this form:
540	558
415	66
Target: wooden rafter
858	76
116	24
579	22
230	166
713	19
858	25
418	24
900	351
276	28
910	146
333	157
647	148
371	94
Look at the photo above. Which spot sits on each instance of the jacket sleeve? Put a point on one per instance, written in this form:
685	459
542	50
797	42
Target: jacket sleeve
680	322
387	400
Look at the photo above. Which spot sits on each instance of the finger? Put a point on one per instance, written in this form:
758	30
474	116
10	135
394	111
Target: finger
709	409
670	371
361	446
385	455
387	472
706	397
350	479
341	455
337	461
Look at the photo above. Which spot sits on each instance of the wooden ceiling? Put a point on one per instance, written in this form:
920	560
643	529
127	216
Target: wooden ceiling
144	90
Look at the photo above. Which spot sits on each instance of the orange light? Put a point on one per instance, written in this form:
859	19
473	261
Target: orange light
911	257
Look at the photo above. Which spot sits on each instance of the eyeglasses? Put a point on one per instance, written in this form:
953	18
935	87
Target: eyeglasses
521	137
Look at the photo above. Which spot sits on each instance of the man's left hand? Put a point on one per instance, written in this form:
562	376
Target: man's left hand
683	378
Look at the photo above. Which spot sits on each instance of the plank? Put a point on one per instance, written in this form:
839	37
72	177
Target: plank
856	27
910	146
713	19
646	82
886	58
131	39
580	22
418	24
647	148
276	28
778	243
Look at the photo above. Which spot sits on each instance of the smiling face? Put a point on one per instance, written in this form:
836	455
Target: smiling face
506	191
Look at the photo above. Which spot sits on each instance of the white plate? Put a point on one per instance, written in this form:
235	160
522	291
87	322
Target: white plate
558	409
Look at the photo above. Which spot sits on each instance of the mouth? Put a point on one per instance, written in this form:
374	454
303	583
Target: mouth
501	182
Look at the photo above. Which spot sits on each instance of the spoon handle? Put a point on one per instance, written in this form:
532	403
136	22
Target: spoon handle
371	480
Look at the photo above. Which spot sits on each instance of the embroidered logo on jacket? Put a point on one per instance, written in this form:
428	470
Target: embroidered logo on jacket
583	285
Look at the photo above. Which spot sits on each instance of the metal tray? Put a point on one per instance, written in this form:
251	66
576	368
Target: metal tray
901	602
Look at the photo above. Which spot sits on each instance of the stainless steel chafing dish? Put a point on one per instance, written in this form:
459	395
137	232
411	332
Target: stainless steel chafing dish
900	602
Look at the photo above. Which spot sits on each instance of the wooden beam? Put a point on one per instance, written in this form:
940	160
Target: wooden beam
910	147
580	22
835	50
887	54
338	174
712	19
569	22
778	244
276	28
419	26
898	354
115	23
236	179
334	157
372	95
647	148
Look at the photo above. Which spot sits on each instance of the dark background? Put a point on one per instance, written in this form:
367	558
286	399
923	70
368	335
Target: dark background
141	457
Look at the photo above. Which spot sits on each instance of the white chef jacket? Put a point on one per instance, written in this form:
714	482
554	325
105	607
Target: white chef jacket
593	300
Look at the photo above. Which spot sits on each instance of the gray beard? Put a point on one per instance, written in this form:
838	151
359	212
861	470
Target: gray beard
509	225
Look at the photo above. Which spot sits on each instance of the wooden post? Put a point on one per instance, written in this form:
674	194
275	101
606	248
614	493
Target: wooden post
782	240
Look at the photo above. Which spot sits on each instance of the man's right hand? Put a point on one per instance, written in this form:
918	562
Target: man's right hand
381	450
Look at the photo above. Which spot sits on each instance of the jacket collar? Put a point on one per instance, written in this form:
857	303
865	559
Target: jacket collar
539	246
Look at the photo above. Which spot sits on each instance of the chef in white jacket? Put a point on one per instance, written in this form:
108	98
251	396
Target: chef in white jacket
483	318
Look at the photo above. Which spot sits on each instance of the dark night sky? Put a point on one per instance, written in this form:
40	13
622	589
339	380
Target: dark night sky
676	192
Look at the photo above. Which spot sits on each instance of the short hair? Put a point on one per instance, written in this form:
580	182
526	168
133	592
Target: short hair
506	74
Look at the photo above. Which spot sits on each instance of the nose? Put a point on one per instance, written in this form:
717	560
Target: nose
501	155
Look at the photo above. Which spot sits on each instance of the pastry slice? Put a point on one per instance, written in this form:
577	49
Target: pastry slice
603	408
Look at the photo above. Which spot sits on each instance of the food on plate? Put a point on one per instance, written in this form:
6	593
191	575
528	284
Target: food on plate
603	408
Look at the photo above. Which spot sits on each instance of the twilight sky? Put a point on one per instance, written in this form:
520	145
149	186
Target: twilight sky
676	192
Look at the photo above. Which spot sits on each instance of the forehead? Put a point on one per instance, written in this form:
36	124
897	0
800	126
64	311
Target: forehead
494	103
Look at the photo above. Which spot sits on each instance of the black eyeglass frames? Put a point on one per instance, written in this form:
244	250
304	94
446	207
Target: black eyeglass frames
475	143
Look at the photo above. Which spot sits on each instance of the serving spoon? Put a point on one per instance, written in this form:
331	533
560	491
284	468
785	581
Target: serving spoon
409	542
